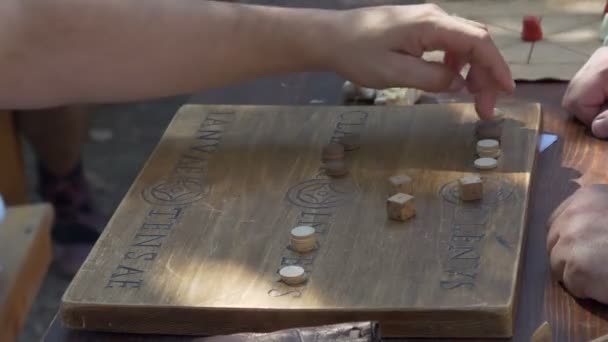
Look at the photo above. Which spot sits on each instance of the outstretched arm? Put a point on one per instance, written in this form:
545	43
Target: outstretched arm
66	51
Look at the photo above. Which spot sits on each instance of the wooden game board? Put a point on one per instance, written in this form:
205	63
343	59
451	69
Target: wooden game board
571	33
195	246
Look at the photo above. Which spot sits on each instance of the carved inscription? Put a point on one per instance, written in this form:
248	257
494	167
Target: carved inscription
170	199
467	231
318	198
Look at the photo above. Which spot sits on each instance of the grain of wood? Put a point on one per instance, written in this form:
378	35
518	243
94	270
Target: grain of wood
601	339
12	174
543	333
25	254
207	246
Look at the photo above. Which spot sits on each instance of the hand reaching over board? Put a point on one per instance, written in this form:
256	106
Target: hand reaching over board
588	92
206	44
382	47
578	243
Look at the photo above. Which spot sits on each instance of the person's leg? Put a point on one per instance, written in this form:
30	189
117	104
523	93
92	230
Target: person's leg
57	136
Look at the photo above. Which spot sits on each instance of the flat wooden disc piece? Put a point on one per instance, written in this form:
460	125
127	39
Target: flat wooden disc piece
489	154
292	274
486	163
488	145
333	151
302	232
350	142
336	168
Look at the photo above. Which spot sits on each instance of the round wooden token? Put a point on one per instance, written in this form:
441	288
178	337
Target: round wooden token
336	168
486	163
489	129
302	232
489	154
350	142
292	275
488	145
333	151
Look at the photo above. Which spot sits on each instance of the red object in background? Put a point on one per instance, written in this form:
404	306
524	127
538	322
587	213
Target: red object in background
606	8
531	30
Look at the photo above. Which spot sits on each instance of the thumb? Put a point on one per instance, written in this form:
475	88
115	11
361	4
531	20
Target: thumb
599	126
414	72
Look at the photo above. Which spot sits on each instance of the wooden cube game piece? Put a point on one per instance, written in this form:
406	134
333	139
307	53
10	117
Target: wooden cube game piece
401	183
471	188
400	207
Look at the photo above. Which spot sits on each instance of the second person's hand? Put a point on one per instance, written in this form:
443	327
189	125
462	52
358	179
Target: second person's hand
587	93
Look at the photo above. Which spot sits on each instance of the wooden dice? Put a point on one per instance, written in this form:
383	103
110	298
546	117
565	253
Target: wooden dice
471	188
400	207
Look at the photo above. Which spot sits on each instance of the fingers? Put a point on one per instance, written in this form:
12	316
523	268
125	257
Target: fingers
417	73
583	100
472	22
599	126
484	104
480	83
557	259
454	62
466	39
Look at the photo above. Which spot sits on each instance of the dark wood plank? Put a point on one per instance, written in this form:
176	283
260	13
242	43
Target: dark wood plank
12	174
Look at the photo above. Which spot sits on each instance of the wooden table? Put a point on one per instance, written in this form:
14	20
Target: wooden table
577	158
25	254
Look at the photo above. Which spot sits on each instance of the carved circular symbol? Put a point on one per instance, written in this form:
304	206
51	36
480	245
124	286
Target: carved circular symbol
175	191
495	190
320	193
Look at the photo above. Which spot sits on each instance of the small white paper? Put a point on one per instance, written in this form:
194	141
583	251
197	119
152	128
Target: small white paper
2	209
545	140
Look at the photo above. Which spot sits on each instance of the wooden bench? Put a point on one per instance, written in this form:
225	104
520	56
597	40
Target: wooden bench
25	255
12	175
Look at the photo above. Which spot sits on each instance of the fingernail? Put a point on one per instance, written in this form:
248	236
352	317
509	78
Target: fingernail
457	84
599	127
